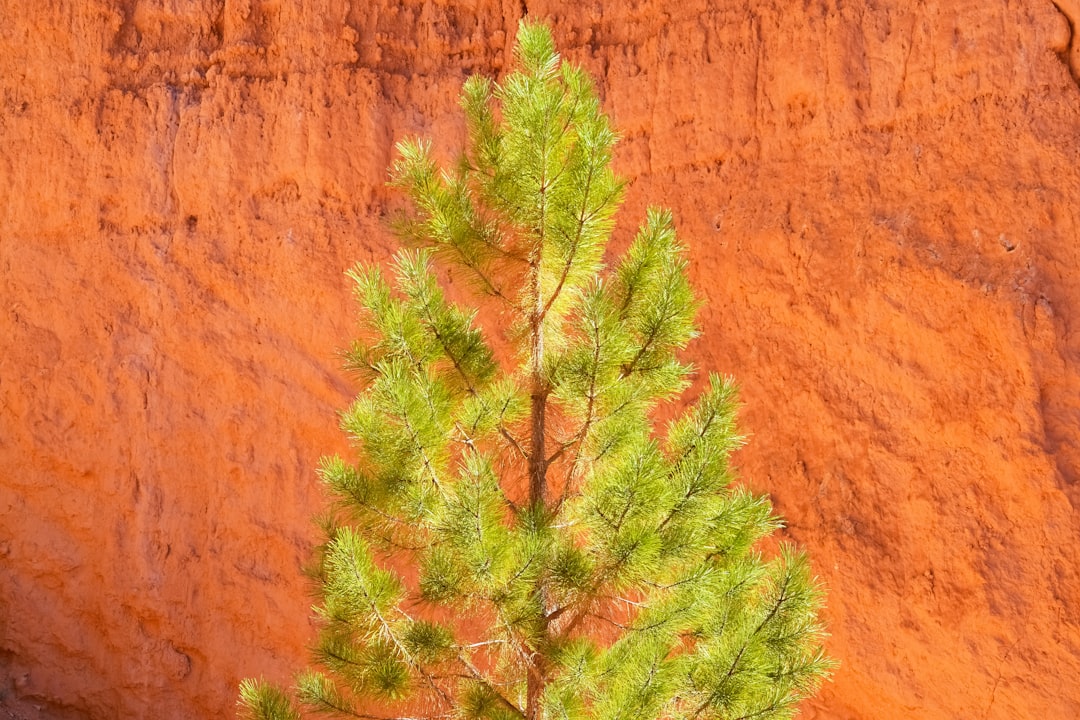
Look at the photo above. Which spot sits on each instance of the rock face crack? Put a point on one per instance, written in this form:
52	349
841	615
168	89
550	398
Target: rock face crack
1070	10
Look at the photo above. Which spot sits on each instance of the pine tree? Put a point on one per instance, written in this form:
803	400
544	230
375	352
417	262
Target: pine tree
515	540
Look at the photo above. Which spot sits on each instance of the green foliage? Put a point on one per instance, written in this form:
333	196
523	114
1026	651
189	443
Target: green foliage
515	540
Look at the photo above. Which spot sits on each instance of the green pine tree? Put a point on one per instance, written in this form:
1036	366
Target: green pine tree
515	540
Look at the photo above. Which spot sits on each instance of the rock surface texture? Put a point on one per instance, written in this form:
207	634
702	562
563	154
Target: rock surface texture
882	199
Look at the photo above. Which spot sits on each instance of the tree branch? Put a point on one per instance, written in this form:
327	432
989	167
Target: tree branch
412	662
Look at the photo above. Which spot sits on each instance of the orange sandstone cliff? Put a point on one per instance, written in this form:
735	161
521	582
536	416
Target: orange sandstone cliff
882	198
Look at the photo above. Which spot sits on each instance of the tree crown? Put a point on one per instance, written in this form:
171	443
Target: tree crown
515	540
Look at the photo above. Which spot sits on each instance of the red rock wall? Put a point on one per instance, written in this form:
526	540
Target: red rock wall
881	200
